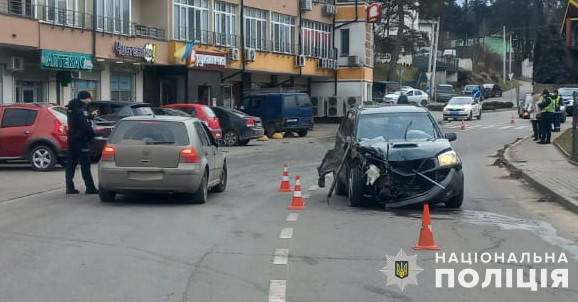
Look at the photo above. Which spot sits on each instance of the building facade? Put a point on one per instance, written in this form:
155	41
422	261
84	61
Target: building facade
183	51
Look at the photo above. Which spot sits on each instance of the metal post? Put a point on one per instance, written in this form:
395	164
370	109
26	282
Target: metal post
433	87
504	60
574	126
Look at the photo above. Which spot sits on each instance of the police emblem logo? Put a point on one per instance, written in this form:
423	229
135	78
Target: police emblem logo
401	270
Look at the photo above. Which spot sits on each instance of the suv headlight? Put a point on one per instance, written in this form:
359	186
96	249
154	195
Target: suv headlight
448	158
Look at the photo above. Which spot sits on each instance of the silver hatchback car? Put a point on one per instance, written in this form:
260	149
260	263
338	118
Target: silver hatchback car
164	154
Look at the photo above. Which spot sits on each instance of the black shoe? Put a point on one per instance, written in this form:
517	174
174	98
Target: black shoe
543	143
72	191
535	139
91	191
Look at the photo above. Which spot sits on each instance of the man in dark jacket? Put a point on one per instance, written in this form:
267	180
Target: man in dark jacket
402	100
80	133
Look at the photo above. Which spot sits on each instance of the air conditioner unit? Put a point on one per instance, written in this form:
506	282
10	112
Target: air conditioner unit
353	101
15	64
76	74
306	5
335	106
300	61
330	10
234	54
250	54
354	61
319	106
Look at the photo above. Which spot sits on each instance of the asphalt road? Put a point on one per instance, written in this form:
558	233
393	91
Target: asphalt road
158	248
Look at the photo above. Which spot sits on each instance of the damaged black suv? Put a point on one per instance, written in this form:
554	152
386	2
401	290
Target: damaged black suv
395	155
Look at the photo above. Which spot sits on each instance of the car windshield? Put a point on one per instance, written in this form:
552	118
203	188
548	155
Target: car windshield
150	133
470	88
410	126
460	101
567	92
445	89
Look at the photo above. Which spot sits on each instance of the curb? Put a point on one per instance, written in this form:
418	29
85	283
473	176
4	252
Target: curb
568	202
566	154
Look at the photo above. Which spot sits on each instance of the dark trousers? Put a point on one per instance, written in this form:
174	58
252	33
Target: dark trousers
546	126
536	128
557	119
78	152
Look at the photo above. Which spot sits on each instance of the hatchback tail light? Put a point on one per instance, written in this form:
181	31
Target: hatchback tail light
60	128
189	155
250	122
214	123
108	153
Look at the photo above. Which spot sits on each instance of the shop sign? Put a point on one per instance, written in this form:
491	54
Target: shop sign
210	60
148	52
374	13
52	59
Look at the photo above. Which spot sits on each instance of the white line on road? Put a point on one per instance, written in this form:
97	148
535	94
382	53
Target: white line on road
292	217
521	127
277	289
313	188
505	127
475	126
306	196
281	256
286	233
487	127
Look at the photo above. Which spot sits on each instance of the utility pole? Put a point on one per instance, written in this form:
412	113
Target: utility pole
435	60
511	49
431	48
504	65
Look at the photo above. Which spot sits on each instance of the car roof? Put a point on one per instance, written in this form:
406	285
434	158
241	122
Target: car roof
163	118
122	103
30	105
391	109
278	94
185	105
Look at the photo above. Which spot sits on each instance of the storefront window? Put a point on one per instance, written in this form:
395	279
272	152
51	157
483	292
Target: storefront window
317	39
225	24
191	20
114	16
79	85
29	92
282	27
121	87
255	28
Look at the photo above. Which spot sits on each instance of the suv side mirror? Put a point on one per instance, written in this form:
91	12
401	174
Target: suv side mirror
451	136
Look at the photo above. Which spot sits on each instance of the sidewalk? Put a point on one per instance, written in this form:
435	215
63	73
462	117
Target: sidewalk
545	168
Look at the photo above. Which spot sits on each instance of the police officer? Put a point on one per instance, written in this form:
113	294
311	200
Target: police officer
547	111
556	98
80	134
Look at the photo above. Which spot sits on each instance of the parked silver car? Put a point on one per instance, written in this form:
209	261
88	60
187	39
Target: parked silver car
164	154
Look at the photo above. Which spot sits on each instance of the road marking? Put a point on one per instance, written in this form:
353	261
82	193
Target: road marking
313	188
277	289
292	217
505	127
286	233
475	126
281	256
520	127
306	196
487	127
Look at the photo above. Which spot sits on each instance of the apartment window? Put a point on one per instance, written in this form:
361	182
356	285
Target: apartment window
316	38
345	42
282	28
20	7
121	87
113	16
225	29
63	12
191	20
255	28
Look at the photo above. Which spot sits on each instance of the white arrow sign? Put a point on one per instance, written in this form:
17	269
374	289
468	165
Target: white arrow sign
428	75
511	76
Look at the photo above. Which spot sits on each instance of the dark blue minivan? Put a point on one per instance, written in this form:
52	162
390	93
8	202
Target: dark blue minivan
281	112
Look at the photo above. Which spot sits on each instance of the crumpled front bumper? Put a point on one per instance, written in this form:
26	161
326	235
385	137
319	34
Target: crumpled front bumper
453	183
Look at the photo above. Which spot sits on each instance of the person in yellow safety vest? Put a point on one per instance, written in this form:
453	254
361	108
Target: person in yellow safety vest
547	111
557	99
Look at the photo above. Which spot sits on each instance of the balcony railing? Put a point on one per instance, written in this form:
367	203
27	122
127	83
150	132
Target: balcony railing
76	19
206	37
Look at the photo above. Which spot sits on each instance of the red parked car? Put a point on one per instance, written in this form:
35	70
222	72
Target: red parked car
34	132
202	112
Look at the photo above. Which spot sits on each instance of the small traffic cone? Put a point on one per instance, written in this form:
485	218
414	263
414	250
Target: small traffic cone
426	238
512	120
463	126
297	200
285	185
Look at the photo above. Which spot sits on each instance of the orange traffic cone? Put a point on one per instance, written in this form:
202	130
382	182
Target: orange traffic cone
297	200
512	120
463	126
426	237
285	185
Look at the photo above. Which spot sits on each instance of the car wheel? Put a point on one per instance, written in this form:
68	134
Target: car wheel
200	196
470	116
480	115
456	201
231	138
244	142
42	158
222	186
303	132
340	187
106	195
424	103
355	184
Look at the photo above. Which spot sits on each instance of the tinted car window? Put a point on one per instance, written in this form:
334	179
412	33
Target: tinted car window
417	92
18	117
254	102
203	136
290	101
150	133
303	101
190	111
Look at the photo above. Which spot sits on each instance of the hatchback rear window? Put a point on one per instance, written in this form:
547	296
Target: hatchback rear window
142	110
209	112
150	133
60	114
